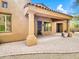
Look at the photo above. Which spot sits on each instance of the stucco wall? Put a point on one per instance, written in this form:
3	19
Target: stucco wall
45	19
19	21
64	22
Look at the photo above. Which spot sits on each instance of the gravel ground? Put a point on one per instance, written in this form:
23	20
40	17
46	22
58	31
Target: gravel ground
48	44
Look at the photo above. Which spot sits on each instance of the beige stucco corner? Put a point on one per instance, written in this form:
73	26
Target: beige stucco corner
31	40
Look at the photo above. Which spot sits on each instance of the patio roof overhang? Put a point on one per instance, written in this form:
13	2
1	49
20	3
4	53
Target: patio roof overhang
45	12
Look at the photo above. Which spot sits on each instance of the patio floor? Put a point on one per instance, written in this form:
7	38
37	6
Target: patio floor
48	44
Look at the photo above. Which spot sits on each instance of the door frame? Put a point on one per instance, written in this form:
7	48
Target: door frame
59	27
39	27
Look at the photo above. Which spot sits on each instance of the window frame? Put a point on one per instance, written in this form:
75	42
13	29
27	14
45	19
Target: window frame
7	14
47	29
4	4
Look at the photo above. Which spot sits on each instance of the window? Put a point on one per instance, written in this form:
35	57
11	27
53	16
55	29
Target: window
4	4
47	26
5	23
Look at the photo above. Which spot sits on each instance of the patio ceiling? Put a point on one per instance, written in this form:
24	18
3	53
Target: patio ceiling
42	11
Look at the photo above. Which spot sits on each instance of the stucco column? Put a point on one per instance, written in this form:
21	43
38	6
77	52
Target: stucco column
53	27
31	39
68	26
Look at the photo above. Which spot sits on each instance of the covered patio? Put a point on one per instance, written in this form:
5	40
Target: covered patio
34	10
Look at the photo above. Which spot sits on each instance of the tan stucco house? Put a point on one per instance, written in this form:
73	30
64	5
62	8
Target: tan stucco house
22	20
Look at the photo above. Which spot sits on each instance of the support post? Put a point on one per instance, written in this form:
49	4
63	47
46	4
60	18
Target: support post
31	39
68	26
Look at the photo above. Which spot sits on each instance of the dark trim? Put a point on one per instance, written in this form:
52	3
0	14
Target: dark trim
11	23
5	13
55	20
